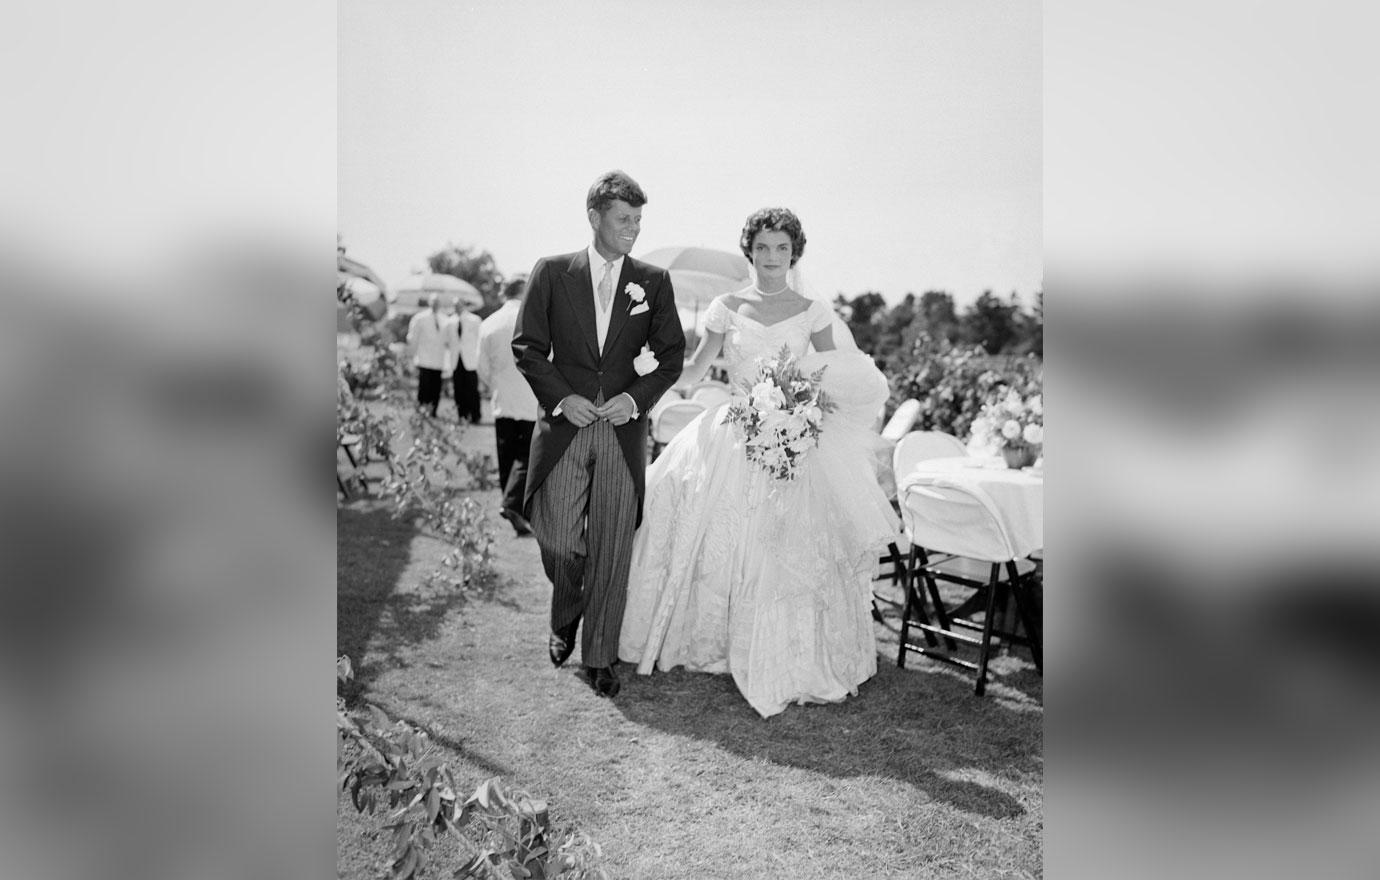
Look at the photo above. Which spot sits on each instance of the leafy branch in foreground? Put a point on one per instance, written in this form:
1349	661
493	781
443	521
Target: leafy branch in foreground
391	765
429	480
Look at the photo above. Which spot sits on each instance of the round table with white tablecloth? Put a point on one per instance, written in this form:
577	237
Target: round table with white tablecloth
1016	497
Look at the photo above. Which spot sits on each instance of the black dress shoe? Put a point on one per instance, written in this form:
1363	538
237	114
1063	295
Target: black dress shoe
562	644
604	680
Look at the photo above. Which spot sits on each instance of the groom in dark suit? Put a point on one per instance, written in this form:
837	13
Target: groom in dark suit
585	318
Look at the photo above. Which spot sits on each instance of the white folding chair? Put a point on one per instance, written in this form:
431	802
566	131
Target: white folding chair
670	420
911	448
710	393
960	523
918	446
901	421
666	400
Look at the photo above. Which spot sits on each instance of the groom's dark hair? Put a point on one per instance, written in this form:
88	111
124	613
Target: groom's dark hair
614	186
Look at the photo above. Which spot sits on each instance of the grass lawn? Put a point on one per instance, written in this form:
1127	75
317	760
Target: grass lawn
677	777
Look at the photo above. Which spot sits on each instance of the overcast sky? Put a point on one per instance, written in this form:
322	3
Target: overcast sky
906	135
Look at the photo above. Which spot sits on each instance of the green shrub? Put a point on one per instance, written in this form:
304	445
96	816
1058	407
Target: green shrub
952	382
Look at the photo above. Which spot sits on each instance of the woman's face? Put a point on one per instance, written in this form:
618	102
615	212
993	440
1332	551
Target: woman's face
771	257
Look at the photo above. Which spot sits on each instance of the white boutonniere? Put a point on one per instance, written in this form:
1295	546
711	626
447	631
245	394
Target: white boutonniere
635	292
637	295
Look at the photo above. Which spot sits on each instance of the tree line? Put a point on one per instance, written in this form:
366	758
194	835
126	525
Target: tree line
997	326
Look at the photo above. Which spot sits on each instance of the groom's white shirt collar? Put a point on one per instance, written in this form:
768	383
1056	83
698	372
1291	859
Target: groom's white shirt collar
596	271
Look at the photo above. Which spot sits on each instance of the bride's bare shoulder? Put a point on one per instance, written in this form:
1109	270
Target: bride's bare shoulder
732	301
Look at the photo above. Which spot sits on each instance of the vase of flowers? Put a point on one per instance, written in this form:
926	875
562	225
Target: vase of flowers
1018	457
1015	425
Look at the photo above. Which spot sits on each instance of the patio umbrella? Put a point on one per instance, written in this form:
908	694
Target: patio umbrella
413	292
699	274
365	292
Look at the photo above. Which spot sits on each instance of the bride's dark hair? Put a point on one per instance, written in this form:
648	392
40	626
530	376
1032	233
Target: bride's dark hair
773	220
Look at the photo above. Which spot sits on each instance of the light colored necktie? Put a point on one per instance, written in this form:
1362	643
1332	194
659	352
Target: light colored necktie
606	287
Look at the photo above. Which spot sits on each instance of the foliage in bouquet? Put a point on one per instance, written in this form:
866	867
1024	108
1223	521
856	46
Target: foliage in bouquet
780	417
954	382
1012	421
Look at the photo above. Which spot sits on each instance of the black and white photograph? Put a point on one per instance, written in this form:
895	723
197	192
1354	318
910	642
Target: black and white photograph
690	436
689	513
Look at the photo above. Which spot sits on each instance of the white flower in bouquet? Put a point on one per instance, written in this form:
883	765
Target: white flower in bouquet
1033	434
1011	429
1037	404
766	397
814	415
1014	405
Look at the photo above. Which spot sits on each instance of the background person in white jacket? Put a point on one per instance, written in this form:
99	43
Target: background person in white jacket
428	340
514	404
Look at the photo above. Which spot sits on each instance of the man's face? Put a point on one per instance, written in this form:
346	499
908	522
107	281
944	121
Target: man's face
615	230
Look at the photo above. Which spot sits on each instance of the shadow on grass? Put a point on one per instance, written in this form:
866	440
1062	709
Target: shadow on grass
377	613
920	726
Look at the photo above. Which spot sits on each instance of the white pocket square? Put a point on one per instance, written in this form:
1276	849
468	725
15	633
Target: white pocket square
638	309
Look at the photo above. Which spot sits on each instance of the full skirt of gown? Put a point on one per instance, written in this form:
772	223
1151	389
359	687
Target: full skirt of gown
770	581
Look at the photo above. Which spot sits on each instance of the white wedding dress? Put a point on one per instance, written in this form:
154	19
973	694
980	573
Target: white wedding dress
770	581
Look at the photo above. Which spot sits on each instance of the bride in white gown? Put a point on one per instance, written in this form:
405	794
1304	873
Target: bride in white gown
735	571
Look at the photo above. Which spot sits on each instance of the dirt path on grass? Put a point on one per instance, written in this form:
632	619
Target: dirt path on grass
677	777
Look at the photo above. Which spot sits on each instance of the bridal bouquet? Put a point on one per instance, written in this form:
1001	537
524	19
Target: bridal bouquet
779	419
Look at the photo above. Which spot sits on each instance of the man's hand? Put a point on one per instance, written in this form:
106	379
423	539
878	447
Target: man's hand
619	411
581	411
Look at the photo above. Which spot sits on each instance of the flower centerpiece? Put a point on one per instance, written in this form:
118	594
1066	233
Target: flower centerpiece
779	418
1015	425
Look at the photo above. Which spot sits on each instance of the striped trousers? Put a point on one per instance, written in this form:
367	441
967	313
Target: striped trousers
584	514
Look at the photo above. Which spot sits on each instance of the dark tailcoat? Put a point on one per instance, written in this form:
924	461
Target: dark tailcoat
557	350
